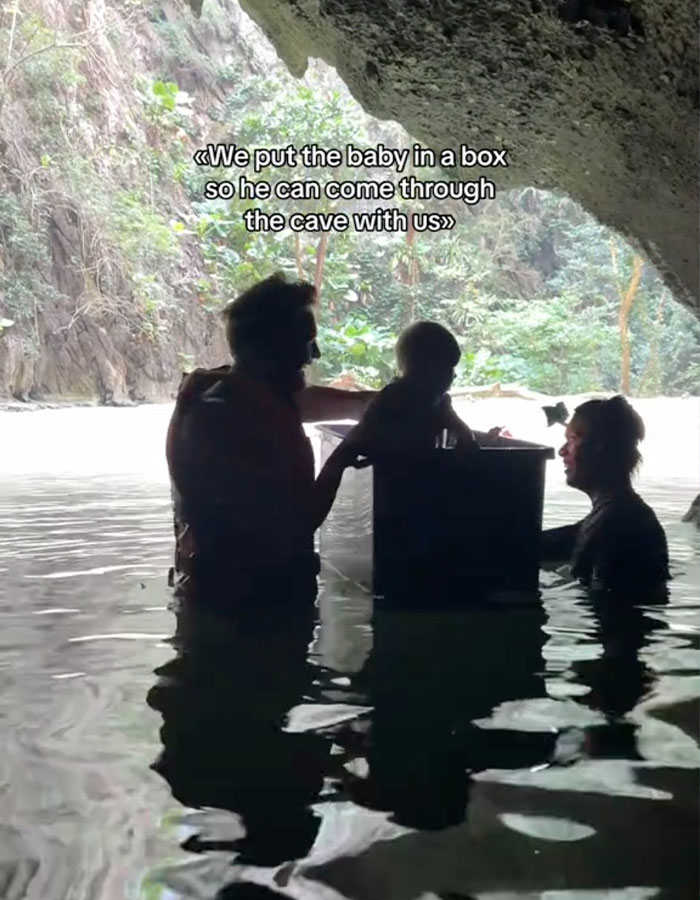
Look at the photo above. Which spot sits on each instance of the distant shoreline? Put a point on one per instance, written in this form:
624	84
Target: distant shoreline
21	406
35	405
482	392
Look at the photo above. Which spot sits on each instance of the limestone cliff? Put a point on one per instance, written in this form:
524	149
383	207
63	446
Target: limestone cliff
96	268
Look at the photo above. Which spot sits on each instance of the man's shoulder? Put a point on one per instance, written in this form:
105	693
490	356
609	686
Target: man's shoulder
207	404
196	383
209	391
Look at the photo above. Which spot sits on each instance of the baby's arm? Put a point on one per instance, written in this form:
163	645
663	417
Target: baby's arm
462	433
372	424
494	437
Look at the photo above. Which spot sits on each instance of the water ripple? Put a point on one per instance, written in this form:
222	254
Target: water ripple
551	732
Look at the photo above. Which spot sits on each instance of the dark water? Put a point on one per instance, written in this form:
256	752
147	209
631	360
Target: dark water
541	751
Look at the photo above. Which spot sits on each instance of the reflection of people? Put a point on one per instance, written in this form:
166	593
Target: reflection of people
223	700
411	413
428	678
618	679
620	543
241	466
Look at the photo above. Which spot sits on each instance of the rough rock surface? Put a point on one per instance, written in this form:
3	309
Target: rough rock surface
91	335
594	98
100	355
104	361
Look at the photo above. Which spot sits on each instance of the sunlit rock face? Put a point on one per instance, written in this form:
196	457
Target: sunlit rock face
594	98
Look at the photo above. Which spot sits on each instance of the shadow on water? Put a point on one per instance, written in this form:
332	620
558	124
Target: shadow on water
465	741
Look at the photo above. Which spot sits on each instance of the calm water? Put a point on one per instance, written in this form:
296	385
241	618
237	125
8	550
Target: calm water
545	751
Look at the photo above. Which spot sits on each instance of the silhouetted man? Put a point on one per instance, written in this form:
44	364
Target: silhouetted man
242	469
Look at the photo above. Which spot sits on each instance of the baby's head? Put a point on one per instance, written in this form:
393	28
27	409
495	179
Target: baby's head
427	353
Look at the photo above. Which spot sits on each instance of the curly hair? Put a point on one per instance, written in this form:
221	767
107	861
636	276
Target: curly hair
261	317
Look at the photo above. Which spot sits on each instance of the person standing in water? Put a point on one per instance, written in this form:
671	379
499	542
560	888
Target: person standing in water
620	544
242	470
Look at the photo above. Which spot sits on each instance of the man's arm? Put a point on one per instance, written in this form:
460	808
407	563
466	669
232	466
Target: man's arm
324	404
326	488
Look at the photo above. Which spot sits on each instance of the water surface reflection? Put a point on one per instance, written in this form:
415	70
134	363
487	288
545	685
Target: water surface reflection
435	770
331	751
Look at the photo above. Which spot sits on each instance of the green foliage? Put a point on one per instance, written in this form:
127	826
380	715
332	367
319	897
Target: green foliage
43	59
142	232
179	51
540	344
358	347
23	285
164	103
528	282
477	367
234	257
667	339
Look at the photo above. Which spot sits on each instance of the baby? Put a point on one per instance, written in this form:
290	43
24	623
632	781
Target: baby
413	414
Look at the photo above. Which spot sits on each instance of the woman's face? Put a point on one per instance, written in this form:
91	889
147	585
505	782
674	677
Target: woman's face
597	454
576	468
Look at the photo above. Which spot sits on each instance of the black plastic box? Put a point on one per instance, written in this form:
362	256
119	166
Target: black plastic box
441	528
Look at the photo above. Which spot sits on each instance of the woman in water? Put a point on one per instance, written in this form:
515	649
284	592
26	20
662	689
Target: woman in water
620	543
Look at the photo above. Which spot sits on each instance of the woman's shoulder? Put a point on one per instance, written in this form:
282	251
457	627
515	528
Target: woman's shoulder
629	508
630	521
621	543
